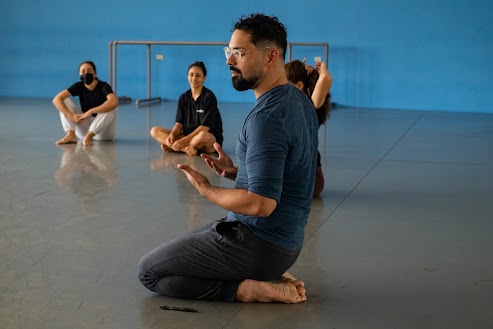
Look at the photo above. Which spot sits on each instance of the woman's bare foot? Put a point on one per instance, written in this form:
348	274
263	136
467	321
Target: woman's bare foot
88	139
250	291
166	149
190	150
69	138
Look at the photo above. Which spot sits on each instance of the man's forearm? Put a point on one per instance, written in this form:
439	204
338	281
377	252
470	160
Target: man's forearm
239	200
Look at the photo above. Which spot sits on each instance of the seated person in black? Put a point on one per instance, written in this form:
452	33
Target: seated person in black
198	121
95	119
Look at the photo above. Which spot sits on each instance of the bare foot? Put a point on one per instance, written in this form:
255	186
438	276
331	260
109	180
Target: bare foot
165	148
250	291
287	277
88	139
300	285
190	150
69	138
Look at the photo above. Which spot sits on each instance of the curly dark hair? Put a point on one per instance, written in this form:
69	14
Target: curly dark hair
200	65
296	71
263	29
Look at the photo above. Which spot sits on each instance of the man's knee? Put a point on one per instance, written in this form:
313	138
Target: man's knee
143	273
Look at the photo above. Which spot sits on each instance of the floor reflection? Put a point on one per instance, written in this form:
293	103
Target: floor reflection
186	192
87	171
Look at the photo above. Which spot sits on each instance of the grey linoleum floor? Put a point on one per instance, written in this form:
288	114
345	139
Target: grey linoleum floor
402	236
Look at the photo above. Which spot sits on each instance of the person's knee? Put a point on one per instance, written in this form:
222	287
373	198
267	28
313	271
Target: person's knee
70	104
203	139
68	101
207	137
143	274
154	131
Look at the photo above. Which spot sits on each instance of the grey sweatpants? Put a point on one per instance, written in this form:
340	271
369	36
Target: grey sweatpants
210	262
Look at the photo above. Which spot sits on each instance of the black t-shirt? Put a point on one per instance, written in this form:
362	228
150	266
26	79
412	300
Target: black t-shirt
90	98
202	112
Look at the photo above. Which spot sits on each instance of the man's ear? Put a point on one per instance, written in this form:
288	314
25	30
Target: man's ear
300	85
273	55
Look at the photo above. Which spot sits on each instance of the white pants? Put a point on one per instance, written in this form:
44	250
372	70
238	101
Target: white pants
102	125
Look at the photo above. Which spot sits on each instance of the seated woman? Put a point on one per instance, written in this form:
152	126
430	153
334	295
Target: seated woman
198	121
96	117
315	84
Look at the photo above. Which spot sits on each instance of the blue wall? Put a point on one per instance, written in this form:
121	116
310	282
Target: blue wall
422	54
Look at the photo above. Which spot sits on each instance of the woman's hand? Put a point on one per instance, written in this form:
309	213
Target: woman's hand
76	118
85	115
179	144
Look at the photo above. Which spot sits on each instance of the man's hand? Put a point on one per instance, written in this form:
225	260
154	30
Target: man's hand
223	165
198	180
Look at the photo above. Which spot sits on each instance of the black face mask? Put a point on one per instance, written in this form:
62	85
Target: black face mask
87	78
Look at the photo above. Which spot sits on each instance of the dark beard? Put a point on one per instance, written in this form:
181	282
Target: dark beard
242	84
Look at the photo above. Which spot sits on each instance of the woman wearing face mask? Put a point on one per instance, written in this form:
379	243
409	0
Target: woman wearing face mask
315	83
98	105
198	121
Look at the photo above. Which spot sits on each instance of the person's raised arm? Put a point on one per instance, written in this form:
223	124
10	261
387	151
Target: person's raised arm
322	87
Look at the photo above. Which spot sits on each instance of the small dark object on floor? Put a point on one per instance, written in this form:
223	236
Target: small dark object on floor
183	309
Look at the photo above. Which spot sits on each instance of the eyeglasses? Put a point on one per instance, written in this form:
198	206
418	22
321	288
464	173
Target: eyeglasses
235	52
238	54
